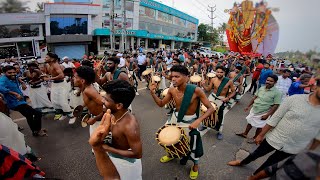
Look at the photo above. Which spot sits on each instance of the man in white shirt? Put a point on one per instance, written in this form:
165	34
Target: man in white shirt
289	131
284	83
122	61
66	63
141	64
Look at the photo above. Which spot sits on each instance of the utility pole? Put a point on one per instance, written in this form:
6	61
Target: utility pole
112	16
212	10
123	26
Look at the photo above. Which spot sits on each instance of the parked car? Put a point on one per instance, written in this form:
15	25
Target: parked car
206	52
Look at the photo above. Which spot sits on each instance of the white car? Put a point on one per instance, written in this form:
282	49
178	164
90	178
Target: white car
206	52
219	54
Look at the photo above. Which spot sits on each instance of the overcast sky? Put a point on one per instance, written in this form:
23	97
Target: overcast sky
298	19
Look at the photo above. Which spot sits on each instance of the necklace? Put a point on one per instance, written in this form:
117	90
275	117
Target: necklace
115	122
180	96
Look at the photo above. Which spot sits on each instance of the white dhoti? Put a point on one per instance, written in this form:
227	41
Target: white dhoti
59	96
76	100
254	119
39	98
10	136
163	83
128	168
221	112
93	127
26	92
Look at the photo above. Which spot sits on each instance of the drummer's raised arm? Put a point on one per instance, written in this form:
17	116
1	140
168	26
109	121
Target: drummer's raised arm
209	87
160	102
102	80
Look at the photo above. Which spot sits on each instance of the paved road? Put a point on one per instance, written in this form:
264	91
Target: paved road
67	155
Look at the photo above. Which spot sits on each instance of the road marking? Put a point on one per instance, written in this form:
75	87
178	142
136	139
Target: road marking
142	89
20	119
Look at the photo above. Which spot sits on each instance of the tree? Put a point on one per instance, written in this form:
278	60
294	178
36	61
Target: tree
207	33
202	32
40	7
13	6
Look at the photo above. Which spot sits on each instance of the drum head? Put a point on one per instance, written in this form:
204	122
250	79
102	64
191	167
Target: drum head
84	120
156	78
146	72
165	92
211	75
103	93
204	108
169	135
195	78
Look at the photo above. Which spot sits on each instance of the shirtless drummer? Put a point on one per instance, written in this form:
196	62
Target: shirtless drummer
187	99
123	143
84	78
223	91
59	88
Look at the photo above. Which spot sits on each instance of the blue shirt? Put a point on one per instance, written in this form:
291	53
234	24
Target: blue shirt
295	89
264	75
7	85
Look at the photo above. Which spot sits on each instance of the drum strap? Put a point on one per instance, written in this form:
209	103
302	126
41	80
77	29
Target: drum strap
237	77
223	83
116	74
186	102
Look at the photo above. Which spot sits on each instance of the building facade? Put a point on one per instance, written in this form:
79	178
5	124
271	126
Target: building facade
149	24
69	27
21	35
77	27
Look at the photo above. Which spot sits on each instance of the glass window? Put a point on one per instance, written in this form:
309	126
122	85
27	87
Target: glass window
13	31
7	51
25	48
105	42
179	21
147	12
68	25
168	30
164	17
191	26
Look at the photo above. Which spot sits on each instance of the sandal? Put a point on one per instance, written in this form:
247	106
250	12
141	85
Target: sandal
166	158
193	175
57	116
241	135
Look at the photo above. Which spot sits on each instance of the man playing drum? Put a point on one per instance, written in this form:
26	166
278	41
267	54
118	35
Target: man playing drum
112	72
123	142
187	99
237	78
84	78
223	91
132	68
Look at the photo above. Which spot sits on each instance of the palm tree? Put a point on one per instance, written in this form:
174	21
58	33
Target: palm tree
40	7
13	6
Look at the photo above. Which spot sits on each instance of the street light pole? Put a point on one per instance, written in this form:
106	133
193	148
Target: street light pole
112	26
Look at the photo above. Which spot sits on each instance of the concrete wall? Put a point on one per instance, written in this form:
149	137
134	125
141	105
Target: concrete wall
22	18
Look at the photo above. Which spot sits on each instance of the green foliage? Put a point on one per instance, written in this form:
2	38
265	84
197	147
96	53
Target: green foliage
207	33
13	6
221	49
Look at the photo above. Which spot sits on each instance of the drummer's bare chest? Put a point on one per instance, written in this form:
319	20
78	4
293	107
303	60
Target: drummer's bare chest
216	85
118	137
193	103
